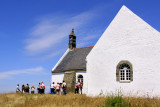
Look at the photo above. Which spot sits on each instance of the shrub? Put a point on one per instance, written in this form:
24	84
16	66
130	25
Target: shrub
116	101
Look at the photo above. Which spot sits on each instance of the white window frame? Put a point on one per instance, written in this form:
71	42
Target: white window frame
124	76
81	79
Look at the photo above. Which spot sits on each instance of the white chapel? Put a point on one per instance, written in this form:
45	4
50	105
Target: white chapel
126	58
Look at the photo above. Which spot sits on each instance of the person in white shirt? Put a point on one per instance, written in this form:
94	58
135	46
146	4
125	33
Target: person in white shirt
32	89
43	88
54	85
52	88
17	89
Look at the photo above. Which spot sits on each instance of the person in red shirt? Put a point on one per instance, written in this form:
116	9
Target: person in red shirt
77	88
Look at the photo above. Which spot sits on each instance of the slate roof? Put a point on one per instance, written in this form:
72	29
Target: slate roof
74	60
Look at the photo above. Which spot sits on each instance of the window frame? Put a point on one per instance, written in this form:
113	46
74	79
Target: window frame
81	79
118	72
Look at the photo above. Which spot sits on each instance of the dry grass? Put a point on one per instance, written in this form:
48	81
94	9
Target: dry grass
143	102
72	100
47	100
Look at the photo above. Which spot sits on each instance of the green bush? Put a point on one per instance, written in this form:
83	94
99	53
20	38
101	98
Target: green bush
116	101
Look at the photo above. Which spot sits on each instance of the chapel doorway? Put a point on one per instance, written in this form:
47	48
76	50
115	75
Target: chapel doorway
80	78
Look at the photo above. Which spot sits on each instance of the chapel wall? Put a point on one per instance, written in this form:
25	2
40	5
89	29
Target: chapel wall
127	38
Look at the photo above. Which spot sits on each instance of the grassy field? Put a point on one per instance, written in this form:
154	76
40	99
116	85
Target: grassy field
72	100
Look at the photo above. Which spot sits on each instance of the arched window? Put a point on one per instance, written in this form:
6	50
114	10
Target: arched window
80	78
124	71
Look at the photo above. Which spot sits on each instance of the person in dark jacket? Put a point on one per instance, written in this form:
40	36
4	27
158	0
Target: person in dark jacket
23	88
27	88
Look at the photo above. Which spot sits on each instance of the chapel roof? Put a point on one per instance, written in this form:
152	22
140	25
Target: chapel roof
74	60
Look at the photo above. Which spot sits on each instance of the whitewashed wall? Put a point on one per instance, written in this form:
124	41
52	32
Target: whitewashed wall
57	77
127	38
83	73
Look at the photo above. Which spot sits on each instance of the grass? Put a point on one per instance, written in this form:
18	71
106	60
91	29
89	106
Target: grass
116	101
47	100
72	100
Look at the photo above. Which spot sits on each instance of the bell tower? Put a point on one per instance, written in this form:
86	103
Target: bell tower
72	40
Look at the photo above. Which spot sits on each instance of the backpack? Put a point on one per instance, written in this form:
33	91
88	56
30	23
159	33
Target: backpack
64	86
77	86
81	85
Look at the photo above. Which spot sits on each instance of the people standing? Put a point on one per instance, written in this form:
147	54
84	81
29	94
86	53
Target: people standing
57	88
23	88
64	87
80	87
60	89
17	89
54	85
27	88
32	89
77	88
43	88
38	88
52	88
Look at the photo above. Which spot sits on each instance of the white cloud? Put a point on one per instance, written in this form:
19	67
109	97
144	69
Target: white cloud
52	30
8	74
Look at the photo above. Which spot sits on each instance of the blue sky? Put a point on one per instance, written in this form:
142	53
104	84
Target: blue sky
34	33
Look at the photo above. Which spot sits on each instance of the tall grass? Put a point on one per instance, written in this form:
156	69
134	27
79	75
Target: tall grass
72	100
47	100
